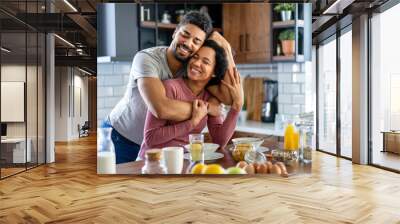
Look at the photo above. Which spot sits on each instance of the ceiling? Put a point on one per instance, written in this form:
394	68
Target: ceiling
75	21
328	15
72	20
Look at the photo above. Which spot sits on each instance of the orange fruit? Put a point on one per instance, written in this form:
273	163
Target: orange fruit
198	168
214	169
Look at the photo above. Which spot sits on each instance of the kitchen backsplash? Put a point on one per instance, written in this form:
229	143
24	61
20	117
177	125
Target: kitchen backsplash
294	80
295	84
112	78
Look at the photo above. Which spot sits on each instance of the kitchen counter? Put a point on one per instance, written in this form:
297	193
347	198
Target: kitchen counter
256	127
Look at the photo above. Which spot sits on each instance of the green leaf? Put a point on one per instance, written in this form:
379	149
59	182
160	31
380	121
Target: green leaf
284	7
287	34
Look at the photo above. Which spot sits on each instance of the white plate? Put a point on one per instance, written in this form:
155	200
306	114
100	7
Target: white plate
208	147
212	156
263	149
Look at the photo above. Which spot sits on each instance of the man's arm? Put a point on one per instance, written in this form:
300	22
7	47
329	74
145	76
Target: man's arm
154	95
221	92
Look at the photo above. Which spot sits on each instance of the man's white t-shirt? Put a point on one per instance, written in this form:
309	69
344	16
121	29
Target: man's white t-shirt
129	115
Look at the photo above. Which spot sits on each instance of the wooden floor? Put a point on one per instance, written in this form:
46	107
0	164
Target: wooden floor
69	191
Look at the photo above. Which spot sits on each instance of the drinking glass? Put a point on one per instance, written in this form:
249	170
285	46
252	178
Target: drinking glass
196	147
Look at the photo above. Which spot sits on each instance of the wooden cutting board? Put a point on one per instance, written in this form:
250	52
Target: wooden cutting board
254	95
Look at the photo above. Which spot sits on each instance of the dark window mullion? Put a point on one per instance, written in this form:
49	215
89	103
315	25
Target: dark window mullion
317	97
338	98
26	87
369	79
37	91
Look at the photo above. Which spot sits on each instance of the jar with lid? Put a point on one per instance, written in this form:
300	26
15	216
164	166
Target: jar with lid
306	145
152	164
240	149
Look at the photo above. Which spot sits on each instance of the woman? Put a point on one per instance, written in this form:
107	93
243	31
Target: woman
206	67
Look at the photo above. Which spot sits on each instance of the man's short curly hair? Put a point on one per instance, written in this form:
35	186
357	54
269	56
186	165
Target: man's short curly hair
200	19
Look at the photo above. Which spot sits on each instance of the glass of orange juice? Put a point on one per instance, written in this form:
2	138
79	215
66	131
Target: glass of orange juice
291	142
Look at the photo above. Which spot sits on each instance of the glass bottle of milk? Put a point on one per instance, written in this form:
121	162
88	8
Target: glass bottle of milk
105	152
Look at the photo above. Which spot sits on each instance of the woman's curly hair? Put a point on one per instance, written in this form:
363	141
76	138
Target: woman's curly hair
221	63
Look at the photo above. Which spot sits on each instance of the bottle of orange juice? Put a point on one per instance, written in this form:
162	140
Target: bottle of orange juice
292	138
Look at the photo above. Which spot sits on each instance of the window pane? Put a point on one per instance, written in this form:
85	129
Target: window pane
327	96
385	88
13	87
346	94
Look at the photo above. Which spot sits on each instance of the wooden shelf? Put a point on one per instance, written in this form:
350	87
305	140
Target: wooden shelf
283	58
153	25
289	23
167	26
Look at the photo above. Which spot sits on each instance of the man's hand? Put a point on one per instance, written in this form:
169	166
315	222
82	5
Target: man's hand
199	111
235	89
221	41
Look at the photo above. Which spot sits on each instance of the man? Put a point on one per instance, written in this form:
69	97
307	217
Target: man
146	91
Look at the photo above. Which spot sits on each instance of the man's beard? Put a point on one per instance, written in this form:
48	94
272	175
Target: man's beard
180	58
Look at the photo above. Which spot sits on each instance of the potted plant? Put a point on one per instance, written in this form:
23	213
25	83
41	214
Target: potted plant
285	9
287	41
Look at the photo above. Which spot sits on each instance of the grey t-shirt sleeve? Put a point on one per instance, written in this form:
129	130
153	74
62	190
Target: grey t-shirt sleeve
144	65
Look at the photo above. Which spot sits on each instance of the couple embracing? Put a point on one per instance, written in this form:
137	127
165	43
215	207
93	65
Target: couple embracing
177	90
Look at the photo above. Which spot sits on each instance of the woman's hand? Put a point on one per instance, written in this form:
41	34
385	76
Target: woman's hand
235	89
199	111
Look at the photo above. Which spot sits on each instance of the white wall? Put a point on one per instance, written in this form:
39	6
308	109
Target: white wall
68	83
33	126
17	73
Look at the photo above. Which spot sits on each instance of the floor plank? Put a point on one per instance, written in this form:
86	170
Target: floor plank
70	191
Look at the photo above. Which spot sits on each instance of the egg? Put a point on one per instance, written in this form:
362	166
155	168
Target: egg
255	166
283	168
249	169
262	168
276	169
269	167
241	164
